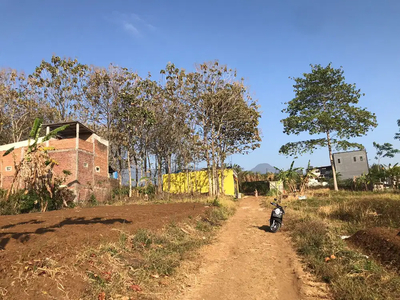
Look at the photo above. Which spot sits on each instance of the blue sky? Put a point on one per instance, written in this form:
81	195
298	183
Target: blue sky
266	41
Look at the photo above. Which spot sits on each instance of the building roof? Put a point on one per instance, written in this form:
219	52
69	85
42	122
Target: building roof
71	129
361	150
326	167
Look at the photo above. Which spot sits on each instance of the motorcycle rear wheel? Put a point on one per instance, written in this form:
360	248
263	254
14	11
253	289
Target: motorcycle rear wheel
275	226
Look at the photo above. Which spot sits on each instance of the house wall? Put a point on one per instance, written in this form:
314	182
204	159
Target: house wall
84	145
352	163
197	182
85	168
101	159
63	144
84	180
66	160
6	176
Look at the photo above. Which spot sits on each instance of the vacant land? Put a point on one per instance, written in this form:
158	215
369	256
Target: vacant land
135	252
35	248
349	240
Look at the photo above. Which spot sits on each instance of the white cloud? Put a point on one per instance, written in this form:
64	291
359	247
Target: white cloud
131	29
132	23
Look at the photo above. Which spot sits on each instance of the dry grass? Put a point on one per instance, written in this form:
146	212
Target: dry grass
140	265
225	200
316	225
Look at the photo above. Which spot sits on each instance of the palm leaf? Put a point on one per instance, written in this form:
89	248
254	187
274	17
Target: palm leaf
35	128
9	151
54	132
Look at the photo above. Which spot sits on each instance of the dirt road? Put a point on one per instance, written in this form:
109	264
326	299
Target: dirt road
248	262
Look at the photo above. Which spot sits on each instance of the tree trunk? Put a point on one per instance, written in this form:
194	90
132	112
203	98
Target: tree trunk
130	175
136	171
332	162
149	165
159	174
214	170
218	175
145	164
222	174
169	173
210	185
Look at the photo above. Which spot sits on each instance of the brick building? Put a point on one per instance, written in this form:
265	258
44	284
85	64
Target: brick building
76	149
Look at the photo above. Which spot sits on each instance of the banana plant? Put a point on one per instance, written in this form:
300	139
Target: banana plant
306	177
35	136
393	173
35	170
289	177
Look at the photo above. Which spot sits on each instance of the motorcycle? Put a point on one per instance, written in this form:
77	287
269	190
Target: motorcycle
275	222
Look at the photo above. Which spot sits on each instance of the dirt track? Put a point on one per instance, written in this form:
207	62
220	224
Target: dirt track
248	262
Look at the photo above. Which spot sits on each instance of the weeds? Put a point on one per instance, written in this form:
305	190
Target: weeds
145	260
93	201
316	225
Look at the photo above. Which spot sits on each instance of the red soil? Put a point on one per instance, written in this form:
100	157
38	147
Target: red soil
26	241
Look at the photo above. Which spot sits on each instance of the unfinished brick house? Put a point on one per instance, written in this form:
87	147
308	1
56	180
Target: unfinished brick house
76	149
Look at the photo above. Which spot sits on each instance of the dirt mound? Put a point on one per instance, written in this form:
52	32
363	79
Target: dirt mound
383	244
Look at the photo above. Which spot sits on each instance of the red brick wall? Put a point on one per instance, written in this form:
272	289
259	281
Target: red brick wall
85	174
63	144
66	161
101	159
6	177
86	145
7	181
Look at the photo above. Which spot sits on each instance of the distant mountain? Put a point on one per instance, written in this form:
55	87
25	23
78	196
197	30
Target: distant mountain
264	168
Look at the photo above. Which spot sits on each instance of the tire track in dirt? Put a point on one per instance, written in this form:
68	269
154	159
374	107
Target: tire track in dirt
247	262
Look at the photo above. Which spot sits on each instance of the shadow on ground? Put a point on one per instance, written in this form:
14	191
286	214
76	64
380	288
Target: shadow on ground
22	237
265	228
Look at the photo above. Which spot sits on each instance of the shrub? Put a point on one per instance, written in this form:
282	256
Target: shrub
29	201
93	201
120	192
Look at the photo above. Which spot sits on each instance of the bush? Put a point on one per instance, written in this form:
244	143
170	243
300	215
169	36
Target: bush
272	193
120	192
262	187
93	201
8	207
29	201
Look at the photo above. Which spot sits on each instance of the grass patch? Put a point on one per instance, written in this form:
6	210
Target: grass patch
141	264
316	225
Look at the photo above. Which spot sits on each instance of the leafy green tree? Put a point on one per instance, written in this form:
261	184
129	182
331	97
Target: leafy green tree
325	105
384	150
397	135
